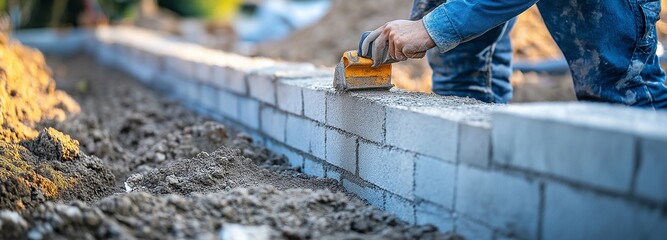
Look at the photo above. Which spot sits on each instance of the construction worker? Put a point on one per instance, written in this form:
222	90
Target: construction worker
610	47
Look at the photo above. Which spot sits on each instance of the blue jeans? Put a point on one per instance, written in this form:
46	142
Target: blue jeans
610	49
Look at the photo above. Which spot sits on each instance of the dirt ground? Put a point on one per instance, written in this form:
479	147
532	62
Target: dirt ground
134	165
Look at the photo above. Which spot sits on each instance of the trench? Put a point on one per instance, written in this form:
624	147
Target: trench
156	170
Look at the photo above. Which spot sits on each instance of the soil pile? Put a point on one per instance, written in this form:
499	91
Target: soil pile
264	212
27	92
36	166
179	176
135	130
223	169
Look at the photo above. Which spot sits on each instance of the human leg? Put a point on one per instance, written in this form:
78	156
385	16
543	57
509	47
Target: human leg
610	48
479	69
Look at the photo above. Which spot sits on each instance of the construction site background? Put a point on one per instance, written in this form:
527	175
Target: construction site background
322	43
315	31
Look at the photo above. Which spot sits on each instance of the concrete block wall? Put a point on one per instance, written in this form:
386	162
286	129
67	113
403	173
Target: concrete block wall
537	171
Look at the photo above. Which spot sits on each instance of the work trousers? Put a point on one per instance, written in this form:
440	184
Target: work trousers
610	47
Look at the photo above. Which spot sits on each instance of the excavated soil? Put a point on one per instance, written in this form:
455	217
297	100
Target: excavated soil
39	164
155	170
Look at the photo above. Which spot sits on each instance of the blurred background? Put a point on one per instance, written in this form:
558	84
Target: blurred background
316	31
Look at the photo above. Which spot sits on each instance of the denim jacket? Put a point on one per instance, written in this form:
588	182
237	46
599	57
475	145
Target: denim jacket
457	21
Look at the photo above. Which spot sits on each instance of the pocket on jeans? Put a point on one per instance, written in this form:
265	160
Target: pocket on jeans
651	14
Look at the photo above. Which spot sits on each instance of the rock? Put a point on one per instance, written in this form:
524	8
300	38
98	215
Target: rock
160	157
172	180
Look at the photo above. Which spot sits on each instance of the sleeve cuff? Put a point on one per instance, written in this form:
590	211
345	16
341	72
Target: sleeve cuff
441	29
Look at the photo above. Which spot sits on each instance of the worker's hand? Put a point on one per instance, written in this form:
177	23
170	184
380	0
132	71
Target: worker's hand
398	40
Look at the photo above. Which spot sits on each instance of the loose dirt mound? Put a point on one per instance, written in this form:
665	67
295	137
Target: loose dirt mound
290	214
27	92
135	130
223	169
37	166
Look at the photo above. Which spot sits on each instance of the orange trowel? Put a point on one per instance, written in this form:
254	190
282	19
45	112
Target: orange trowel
355	72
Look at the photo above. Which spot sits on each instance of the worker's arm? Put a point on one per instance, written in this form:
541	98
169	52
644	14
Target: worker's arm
459	21
447	26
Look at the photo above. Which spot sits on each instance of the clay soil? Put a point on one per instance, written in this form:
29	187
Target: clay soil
146	167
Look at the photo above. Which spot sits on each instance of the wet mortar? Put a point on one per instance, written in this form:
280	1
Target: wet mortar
155	170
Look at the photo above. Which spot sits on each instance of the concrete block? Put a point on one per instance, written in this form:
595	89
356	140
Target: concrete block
208	97
355	115
219	76
249	112
435	181
587	142
305	135
106	55
652	175
262	87
298	133
341	150
228	105
237	81
301	71
203	71
184	68
180	88
425	134
314	104
576	214
332	173
295	159
273	123
123	54
586	154
262	81
313	168
373	195
428	213
153	64
470	229
171	65
230	79
389	169
165	83
475	145
289	98
318	141
314	95
506	202
191	91
137	70
403	209
140	66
